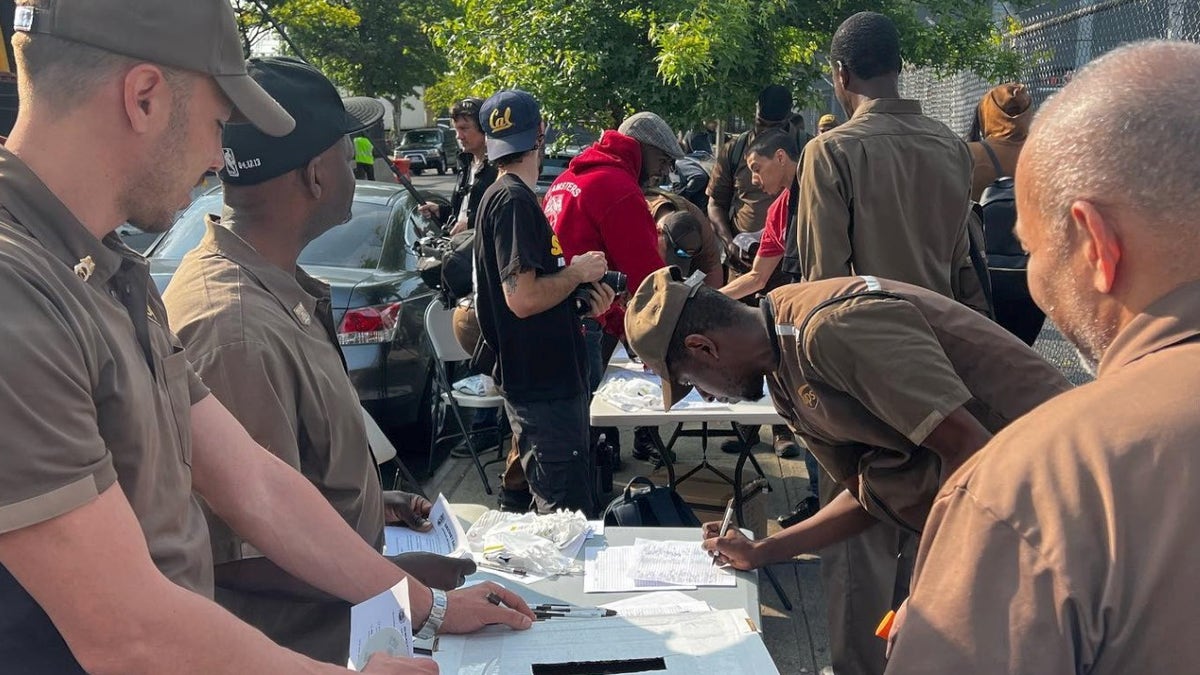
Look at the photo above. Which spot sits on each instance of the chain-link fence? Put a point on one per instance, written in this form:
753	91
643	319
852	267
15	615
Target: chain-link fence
1055	39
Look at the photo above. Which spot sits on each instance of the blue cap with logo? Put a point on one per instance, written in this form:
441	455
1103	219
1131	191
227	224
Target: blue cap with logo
512	122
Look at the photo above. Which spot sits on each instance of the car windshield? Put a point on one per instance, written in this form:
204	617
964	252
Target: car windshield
426	137
357	244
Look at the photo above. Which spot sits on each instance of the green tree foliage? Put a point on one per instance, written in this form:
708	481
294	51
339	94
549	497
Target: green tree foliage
594	61
370	47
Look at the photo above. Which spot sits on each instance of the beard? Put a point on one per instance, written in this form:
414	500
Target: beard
751	389
156	193
1077	318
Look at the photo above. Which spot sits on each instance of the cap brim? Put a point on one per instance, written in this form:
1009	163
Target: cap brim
252	104
511	145
674	392
362	112
674	152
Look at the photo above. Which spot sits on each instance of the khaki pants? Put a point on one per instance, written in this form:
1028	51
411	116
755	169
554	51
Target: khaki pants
864	577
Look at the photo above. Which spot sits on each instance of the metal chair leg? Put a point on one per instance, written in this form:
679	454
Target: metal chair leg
471	447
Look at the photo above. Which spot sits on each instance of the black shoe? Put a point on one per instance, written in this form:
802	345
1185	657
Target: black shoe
785	446
514	501
645	446
732	446
804	510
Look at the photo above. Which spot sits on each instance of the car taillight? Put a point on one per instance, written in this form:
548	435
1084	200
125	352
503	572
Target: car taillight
369	325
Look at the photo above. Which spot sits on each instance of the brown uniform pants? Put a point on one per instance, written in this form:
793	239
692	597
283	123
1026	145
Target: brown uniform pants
864	577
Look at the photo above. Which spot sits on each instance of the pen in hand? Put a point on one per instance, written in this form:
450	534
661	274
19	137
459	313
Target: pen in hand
725	523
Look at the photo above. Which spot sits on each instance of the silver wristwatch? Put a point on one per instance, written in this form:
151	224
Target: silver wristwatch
437	614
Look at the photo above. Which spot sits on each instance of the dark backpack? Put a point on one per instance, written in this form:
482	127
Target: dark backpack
998	210
649	505
447	266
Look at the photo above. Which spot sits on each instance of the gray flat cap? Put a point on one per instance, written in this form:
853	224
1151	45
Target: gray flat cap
648	128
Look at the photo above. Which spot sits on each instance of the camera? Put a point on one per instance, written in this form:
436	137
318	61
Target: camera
580	298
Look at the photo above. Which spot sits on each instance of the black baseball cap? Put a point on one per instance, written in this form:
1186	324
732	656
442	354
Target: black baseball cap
322	119
774	103
512	122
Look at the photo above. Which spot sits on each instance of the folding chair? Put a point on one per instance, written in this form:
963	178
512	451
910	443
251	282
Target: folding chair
383	451
439	328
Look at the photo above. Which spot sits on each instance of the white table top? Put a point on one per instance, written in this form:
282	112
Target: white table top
569	589
604	414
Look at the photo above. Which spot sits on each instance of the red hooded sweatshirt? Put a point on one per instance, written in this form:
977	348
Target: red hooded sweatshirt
597	205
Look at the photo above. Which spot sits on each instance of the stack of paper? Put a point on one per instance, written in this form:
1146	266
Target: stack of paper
679	563
658	603
606	570
725	642
651	565
381	624
446	537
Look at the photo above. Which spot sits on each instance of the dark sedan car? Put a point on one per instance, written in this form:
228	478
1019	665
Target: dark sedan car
378	298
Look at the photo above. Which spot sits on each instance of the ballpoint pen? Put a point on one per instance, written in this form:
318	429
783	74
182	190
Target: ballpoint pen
725	523
570	612
501	567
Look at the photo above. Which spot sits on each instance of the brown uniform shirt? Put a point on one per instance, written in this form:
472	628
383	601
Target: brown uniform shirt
888	194
264	341
737	191
94	390
869	367
1068	544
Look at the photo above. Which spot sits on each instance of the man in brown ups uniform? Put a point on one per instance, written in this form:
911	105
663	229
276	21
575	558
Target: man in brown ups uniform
891	387
1068	545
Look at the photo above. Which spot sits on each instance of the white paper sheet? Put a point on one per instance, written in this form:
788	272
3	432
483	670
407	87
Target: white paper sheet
381	624
658	603
446	538
677	562
606	570
595	528
710	642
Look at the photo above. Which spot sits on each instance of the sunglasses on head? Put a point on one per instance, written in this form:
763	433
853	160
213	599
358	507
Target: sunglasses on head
465	107
679	250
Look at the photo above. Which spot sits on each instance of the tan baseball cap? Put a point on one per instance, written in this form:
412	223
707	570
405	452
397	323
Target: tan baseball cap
650	320
196	35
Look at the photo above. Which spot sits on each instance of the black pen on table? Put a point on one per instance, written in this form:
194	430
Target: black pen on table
725	523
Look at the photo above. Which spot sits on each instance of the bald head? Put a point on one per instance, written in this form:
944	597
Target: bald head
1106	191
1124	135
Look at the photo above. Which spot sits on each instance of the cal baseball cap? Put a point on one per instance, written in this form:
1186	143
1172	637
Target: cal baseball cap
511	121
196	35
827	120
652	130
650	320
322	119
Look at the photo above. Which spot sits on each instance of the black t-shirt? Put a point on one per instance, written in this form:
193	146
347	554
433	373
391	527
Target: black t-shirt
540	358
